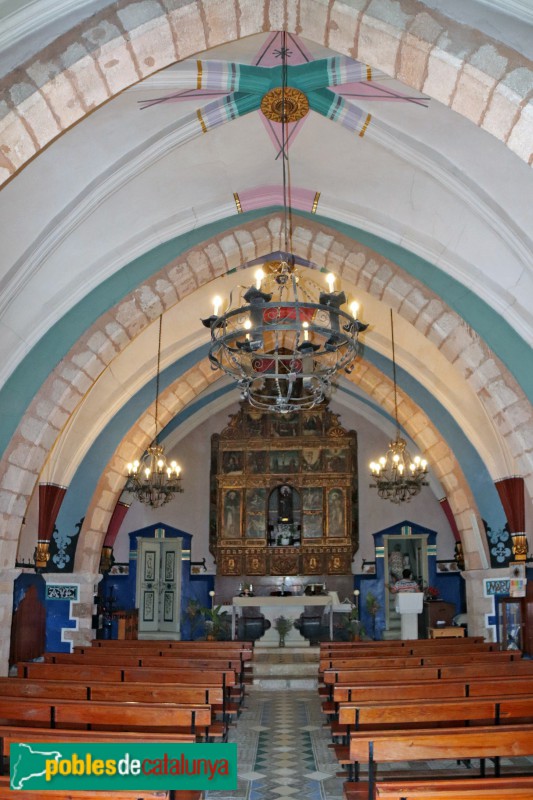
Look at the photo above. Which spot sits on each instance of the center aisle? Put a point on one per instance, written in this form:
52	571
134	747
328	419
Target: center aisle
283	749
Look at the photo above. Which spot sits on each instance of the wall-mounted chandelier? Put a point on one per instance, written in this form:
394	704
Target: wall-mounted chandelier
152	480
283	339
396	476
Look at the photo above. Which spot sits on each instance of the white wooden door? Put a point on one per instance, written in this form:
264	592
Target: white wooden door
159	588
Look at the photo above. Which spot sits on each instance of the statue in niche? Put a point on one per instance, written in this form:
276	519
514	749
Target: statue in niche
285	505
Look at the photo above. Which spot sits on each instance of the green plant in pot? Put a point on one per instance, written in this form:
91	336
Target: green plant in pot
283	626
217	623
352	625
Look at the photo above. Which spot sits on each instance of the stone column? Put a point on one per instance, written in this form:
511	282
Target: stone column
70	608
479	607
7	582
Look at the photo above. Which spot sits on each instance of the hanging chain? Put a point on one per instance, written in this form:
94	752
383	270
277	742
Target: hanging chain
157	380
394	377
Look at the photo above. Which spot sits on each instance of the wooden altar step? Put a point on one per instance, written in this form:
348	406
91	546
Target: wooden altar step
285	668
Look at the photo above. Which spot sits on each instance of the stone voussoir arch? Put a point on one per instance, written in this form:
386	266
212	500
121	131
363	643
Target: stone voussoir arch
188	386
126	42
360	266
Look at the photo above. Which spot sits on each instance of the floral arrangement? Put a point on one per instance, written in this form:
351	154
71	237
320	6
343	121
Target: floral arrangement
432	593
282	625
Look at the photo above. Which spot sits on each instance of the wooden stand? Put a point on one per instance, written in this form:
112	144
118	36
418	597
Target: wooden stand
446	632
127	623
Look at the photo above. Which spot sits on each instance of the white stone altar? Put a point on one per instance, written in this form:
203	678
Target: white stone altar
291	608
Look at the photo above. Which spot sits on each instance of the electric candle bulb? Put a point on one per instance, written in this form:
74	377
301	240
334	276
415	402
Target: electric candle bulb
259	275
354	308
305	326
330	280
217	302
147	472
247	326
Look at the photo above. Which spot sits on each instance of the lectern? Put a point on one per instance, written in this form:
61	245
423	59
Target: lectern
409	605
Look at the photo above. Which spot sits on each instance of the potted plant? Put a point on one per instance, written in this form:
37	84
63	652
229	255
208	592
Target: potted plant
431	593
283	626
352	625
217	622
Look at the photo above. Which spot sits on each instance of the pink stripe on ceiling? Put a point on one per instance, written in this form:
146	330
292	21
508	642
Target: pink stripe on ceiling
263	196
269	54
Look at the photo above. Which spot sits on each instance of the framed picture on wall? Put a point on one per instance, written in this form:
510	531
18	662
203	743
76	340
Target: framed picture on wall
232	462
232	514
336	509
256	462
256	500
313	525
313	498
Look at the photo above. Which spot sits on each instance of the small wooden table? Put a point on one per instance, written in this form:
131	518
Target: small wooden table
446	632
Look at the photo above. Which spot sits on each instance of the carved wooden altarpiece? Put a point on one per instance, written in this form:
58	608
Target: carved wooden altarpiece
284	494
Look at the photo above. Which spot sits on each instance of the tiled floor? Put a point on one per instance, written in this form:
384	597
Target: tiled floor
283	749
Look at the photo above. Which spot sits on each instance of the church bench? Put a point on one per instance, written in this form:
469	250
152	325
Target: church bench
463	643
421	648
123	692
378	714
445	689
435	672
188	652
171	643
51	713
89	673
103	672
113	658
419	660
505	788
379	747
22	794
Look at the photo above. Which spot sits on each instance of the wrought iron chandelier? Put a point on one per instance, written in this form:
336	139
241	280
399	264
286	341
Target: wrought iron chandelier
283	339
396	476
152	480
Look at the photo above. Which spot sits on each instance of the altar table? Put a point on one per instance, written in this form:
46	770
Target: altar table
291	608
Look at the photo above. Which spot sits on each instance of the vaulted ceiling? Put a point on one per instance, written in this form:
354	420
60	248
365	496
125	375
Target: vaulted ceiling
141	177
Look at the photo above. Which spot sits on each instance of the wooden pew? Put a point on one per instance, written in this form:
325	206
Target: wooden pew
474	687
170	643
333	676
368	662
518	786
123	692
243	654
87	714
104	673
482	742
23	794
91	673
113	658
430	712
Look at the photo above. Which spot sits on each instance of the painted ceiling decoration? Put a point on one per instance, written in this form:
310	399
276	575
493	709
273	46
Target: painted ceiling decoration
245	88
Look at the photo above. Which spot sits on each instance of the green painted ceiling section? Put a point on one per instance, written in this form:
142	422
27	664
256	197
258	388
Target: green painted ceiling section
26	380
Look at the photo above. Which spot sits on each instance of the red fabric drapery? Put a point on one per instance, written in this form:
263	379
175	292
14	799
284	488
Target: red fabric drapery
117	518
445	505
50	499
511	491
